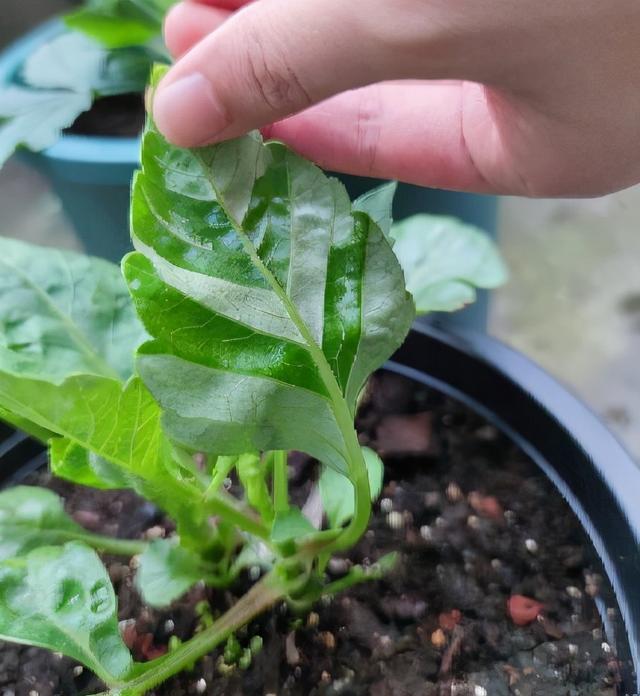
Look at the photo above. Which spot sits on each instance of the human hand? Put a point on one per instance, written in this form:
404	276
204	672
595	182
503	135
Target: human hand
529	98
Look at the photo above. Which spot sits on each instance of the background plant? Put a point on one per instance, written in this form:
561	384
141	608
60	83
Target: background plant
257	303
107	49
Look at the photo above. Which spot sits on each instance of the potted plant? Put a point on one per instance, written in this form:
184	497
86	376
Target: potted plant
258	302
90	160
71	92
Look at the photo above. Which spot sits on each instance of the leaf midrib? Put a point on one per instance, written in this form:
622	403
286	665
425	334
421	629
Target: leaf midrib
316	353
338	404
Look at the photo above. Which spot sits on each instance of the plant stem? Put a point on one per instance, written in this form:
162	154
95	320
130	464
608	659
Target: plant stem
187	462
118	547
221	471
227	508
280	481
261	596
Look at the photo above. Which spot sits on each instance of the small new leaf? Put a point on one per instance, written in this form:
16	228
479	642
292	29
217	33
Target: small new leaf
378	204
337	493
166	572
61	598
290	526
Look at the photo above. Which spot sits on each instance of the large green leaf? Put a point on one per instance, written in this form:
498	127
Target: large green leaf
270	301
63	313
98	416
445	260
67	336
61	598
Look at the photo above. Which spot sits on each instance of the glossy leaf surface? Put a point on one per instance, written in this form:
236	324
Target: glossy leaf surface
63	313
61	598
32	517
269	300
68	333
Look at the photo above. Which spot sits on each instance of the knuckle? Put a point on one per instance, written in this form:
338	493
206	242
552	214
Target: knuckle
272	78
367	129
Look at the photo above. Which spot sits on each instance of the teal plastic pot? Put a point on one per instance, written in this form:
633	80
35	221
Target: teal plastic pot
91	175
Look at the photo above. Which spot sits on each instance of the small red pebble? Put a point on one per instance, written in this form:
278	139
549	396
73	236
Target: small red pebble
486	505
148	649
449	620
523	610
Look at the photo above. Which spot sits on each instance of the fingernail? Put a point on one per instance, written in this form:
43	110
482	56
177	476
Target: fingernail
187	112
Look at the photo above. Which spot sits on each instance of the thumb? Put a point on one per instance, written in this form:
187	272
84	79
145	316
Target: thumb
271	59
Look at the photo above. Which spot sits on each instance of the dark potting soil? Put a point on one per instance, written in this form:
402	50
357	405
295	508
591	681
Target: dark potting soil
492	594
118	116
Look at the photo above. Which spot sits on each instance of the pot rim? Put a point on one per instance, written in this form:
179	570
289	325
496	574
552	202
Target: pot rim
590	468
81	149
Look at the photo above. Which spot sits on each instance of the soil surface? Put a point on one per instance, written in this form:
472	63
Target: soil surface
492	595
119	116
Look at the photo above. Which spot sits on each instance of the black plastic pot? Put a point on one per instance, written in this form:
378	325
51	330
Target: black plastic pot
593	472
597	477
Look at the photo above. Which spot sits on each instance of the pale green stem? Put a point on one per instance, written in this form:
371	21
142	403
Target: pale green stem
223	467
118	547
186	461
280	481
232	511
261	596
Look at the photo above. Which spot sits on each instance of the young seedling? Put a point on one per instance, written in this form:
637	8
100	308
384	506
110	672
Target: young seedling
260	300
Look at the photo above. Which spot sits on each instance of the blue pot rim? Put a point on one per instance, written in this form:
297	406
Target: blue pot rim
69	148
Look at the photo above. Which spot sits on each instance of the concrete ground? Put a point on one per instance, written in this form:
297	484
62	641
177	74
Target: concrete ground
573	302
